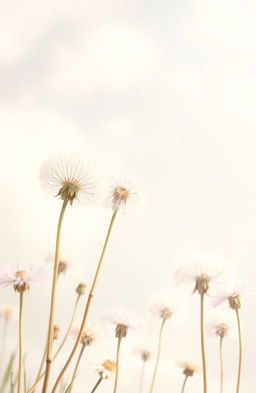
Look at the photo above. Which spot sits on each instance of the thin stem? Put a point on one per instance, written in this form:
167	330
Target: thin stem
221	365
40	376
20	343
53	296
96	385
157	356
142	376
76	368
39	371
117	363
5	328
202	342
87	307
184	384
240	352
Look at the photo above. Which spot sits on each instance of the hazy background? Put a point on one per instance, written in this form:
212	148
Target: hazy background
163	92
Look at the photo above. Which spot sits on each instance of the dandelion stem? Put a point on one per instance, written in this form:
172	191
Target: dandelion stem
184	384
142	376
76	368
20	343
53	295
202	342
40	375
87	307
240	352
221	365
117	363
158	355
96	385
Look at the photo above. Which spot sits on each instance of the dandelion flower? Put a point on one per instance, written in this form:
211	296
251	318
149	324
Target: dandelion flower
22	277
123	320
189	368
69	179
200	275
122	193
89	336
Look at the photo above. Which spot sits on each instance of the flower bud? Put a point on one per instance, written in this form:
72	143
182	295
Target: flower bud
81	288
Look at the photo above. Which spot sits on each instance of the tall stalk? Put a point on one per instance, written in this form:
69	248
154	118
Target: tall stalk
202	341
96	385
117	363
5	328
158	355
240	351
19	382
76	368
88	304
53	296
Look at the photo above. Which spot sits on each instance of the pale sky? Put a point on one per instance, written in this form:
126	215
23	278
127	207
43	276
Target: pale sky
161	92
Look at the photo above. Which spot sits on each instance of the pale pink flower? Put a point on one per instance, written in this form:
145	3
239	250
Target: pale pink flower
189	368
21	277
232	292
69	179
163	309
122	194
201	276
89	336
220	325
121	317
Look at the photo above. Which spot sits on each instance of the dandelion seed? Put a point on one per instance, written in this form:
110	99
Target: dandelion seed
69	179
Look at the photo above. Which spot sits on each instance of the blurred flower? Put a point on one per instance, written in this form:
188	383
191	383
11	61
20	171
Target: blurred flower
81	288
89	335
143	352
106	369
7	311
232	292
56	332
122	193
220	326
21	277
201	275
189	368
162	309
123	320
68	179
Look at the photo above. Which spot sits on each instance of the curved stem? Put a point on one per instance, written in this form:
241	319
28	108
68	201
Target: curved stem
87	307
53	296
221	365
240	352
202	342
20	343
157	356
76	368
142	376
97	384
41	374
184	384
117	363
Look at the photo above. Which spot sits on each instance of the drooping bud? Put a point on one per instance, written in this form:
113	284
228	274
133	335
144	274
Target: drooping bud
81	288
235	301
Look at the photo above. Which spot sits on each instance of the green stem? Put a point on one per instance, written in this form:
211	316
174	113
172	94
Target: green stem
184	384
20	343
40	376
221	365
117	363
158	355
142	376
76	368
97	384
53	296
240	352
87	307
202	341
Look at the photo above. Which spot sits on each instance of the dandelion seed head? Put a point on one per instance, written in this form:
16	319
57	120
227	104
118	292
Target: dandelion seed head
189	368
123	320
68	179
21	277
122	193
89	336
